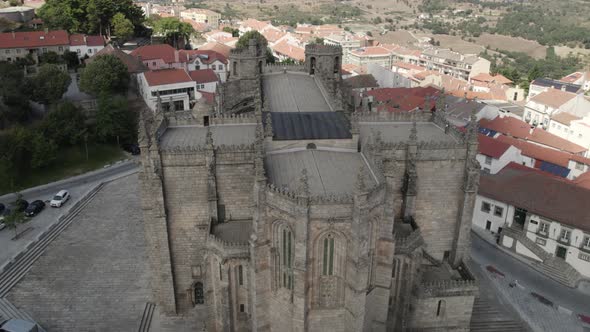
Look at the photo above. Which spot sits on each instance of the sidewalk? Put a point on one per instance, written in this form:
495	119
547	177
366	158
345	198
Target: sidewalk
36	226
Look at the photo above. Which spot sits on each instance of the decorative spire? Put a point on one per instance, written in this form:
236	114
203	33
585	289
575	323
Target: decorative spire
472	127
259	135
361	186
414	133
304	183
441	102
268	132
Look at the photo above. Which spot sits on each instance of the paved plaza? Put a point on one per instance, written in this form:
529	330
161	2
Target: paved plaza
95	275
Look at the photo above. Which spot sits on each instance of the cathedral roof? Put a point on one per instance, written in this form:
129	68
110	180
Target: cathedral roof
310	125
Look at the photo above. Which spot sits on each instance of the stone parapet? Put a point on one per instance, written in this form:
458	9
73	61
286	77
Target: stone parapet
227	249
281	68
444	288
182	118
407	244
418	116
233	119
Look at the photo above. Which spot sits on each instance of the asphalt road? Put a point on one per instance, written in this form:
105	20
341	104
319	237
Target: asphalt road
483	253
87	178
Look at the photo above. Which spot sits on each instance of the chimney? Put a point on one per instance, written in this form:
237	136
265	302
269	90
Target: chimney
563	87
13	35
531	130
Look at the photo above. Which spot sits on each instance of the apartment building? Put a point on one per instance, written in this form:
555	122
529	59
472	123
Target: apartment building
453	63
200	15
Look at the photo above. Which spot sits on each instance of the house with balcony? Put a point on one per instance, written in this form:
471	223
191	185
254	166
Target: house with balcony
543	106
541	217
174	87
453	63
162	56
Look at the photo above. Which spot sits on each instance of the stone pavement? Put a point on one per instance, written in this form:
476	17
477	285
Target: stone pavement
95	275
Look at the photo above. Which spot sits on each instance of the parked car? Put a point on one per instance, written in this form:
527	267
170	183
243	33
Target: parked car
34	208
2	207
2	216
60	198
19	325
132	148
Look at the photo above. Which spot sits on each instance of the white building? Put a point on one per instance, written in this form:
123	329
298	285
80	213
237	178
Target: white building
543	106
453	63
208	59
86	46
541	212
200	15
172	85
494	155
206	80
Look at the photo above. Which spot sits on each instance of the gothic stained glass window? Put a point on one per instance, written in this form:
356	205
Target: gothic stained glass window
328	266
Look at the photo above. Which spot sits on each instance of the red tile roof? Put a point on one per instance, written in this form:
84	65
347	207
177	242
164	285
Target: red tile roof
154	52
583	180
208	96
132	63
517	128
81	40
553	97
204	76
543	154
167	76
402	99
292	51
33	39
217	47
492	147
206	56
539	193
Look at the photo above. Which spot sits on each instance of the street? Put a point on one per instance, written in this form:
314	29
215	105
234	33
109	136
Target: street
483	253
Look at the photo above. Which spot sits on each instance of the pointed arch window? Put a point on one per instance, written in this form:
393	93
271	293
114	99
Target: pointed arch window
287	258
328	256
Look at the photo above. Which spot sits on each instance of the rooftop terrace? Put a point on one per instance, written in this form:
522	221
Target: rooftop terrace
293	92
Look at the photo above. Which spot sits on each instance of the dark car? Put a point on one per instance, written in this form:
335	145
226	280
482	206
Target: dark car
34	208
2	207
21	205
132	148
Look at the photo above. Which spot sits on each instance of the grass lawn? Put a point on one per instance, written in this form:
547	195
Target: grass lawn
70	161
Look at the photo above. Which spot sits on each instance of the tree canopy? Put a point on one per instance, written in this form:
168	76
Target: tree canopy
107	74
173	30
49	84
114	120
122	27
88	16
245	39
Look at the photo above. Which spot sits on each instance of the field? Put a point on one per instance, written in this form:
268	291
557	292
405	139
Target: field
512	44
399	37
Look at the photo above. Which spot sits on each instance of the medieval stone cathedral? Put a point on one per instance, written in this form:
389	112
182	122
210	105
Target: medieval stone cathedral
278	210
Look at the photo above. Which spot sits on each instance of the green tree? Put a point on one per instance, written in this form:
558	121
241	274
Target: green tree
44	151
115	121
71	59
49	84
243	42
173	30
50	57
65	124
122	27
14	219
107	74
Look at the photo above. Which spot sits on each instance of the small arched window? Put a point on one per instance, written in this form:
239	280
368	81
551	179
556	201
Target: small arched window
260	67
312	65
235	68
337	65
311	146
240	275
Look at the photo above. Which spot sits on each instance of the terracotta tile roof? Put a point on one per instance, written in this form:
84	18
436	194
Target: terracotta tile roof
208	96
583	180
573	77
204	76
166	76
492	147
33	39
371	51
361	81
553	98
517	128
402	99
132	63
80	40
564	118
289	50
217	47
154	52
541	153
408	66
272	35
255	24
206	56
198	26
539	193
484	77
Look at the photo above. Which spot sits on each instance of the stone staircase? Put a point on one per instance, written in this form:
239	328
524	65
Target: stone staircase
488	317
551	266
